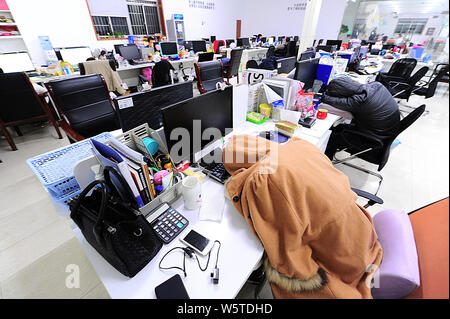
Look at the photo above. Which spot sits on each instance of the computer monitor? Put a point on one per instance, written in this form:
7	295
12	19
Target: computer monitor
16	62
206	56
169	49
286	65
280	87
229	41
337	43
213	38
187	45
280	39
263	39
307	55
130	52
296	38
327	48
213	109
117	48
306	72
75	55
147	105
243	42
363	51
199	46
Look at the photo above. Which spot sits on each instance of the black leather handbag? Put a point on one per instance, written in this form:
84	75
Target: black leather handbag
111	222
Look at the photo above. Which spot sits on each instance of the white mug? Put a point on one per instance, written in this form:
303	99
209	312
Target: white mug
192	193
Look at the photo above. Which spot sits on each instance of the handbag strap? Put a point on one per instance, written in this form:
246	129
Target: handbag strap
97	229
128	197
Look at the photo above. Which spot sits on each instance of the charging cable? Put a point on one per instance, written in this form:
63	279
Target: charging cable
191	254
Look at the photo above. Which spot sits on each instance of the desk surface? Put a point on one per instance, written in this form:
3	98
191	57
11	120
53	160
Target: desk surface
240	253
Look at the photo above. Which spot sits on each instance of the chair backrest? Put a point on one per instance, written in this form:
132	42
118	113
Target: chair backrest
217	44
205	57
402	68
270	51
290	49
434	83
209	74
404	124
235	63
161	74
85	102
251	64
112	63
19	101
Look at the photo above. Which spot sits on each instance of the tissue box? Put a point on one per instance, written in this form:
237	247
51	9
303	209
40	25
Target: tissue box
286	128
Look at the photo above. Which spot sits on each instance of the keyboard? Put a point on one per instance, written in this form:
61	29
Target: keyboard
134	62
168	224
216	171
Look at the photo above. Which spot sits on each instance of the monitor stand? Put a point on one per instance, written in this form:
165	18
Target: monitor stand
307	122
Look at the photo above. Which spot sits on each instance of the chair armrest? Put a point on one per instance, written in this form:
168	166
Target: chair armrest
373	199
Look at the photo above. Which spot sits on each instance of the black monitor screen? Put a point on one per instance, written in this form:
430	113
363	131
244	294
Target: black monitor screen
243	42
117	48
147	105
229	41
169	48
199	46
286	65
213	109
213	38
130	52
306	72
307	55
187	45
327	48
337	43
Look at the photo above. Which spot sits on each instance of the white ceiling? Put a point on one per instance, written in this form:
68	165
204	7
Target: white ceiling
411	6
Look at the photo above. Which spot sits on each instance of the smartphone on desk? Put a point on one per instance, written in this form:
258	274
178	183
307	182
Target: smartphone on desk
198	242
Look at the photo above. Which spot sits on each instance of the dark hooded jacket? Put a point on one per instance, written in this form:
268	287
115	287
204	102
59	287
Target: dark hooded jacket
373	108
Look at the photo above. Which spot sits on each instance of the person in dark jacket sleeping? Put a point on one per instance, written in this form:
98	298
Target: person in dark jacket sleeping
374	111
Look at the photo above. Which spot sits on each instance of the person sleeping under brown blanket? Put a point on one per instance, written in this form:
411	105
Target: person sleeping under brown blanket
319	242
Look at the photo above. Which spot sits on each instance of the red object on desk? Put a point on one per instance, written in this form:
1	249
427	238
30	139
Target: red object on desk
3	5
344	46
322	114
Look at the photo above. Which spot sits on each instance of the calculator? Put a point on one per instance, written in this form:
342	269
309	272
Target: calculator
167	222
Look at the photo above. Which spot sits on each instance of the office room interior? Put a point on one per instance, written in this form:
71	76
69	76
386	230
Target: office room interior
224	149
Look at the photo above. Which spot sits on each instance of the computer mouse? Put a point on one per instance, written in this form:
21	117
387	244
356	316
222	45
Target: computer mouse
267	135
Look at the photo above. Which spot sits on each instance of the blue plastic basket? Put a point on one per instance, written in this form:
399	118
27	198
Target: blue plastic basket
55	169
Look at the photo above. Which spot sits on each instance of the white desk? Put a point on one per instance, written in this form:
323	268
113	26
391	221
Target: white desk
240	253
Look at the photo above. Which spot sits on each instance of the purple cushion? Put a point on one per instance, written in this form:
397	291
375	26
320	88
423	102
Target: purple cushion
399	270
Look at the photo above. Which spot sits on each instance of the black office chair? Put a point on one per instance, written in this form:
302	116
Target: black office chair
290	49
208	75
251	64
232	68
427	90
20	104
84	106
205	57
161	74
270	51
400	70
373	150
402	90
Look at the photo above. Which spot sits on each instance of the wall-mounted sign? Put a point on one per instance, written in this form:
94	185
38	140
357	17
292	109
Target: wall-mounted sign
178	17
299	6
199	4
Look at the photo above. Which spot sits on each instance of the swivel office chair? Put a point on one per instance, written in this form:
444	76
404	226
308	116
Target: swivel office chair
270	51
208	75
373	150
161	74
290	49
84	106
400	70
429	88
252	64
110	74
232	68
21	105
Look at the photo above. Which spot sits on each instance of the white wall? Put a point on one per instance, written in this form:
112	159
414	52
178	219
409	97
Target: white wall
202	23
66	22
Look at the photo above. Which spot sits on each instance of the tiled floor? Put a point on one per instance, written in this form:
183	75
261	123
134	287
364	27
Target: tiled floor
36	245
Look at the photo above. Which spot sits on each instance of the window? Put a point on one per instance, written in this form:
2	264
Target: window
102	25
144	17
111	26
411	26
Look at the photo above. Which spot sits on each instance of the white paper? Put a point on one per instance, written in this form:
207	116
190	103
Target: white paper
213	203
290	116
